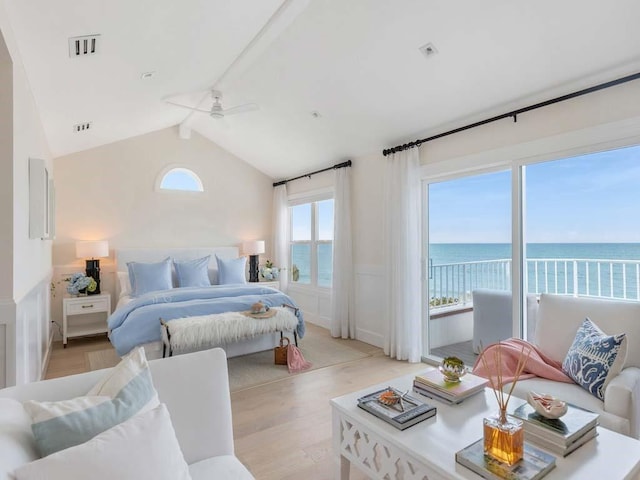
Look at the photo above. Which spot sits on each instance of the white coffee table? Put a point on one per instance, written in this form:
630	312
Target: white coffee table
426	451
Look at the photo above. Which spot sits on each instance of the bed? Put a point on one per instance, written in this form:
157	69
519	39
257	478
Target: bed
136	320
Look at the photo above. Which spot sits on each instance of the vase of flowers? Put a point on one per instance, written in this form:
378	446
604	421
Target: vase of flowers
268	271
79	284
503	434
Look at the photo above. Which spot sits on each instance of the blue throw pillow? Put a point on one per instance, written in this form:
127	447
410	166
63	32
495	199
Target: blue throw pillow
149	277
595	358
231	271
193	273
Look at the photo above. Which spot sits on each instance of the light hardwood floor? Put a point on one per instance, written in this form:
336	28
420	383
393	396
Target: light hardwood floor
282	429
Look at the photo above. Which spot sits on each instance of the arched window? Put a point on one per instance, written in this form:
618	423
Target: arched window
181	178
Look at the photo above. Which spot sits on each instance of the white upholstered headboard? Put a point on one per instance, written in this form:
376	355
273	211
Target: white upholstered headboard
149	255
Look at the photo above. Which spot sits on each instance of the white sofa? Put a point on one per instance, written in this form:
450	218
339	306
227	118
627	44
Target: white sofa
195	388
557	320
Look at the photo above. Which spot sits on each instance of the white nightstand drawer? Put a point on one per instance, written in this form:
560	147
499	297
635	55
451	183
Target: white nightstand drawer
86	305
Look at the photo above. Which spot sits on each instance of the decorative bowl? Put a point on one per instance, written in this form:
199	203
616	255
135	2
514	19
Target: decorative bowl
547	405
453	369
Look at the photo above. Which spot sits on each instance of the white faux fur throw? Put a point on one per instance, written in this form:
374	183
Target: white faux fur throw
205	331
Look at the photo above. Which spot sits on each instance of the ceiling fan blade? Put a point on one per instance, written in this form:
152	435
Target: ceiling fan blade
247	107
187	107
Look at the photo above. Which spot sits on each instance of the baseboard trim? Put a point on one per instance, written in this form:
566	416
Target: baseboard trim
372	338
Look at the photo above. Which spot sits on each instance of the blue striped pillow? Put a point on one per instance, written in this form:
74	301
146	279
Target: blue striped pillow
126	391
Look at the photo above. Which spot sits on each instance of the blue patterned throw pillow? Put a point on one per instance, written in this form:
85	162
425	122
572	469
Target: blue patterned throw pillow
595	358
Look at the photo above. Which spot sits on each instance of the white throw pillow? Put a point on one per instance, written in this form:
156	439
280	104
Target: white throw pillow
144	446
124	392
17	445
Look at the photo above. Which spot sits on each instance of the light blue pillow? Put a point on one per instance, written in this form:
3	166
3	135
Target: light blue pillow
231	271
193	273
149	277
127	390
595	358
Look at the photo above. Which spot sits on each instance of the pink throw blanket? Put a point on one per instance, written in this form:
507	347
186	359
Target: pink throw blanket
537	365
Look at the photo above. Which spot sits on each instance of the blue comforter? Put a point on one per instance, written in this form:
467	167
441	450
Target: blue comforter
138	321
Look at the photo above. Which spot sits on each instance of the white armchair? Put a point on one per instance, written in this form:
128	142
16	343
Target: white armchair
492	317
195	388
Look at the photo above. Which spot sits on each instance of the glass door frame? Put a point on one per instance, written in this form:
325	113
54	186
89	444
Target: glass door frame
518	282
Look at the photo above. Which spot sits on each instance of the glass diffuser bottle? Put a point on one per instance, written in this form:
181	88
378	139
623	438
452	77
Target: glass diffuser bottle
503	435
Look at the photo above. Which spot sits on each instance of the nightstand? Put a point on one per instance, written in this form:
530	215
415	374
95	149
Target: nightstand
78	318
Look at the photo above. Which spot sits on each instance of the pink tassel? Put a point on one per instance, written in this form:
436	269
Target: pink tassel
295	360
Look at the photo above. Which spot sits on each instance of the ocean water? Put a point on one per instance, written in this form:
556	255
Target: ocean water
301	259
443	253
608	277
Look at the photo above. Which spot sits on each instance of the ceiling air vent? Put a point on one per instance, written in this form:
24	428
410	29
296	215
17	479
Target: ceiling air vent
83	46
81	127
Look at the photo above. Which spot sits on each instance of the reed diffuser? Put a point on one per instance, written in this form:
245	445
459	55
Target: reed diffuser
503	435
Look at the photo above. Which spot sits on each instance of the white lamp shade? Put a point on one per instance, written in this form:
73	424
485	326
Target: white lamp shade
95	249
254	247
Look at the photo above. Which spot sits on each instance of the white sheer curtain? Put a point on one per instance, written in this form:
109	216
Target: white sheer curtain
403	339
281	234
342	317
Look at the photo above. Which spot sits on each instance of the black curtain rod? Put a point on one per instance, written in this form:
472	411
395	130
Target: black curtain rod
514	114
335	167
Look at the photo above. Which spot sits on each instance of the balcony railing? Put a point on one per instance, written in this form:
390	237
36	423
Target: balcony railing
451	284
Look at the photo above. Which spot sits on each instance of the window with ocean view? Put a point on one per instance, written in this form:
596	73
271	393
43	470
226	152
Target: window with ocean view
312	243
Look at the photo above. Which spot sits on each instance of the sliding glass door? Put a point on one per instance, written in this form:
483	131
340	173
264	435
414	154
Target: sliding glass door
469	261
582	235
572	232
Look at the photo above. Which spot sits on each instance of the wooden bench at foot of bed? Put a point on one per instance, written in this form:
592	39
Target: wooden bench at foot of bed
207	331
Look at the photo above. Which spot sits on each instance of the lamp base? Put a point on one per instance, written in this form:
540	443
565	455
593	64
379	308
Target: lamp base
253	268
93	270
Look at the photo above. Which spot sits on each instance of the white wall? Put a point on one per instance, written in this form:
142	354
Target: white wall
108	193
597	121
25	264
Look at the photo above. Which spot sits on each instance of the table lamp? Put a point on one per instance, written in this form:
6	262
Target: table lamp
253	248
93	249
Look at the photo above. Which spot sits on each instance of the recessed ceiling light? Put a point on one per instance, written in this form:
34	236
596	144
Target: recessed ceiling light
428	50
147	75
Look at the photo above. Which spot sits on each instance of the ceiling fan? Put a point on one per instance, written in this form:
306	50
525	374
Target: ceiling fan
217	111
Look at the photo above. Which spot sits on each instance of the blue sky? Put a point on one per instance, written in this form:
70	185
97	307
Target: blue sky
302	221
590	198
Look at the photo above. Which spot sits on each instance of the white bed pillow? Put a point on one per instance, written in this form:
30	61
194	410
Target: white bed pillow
125	284
125	391
144	446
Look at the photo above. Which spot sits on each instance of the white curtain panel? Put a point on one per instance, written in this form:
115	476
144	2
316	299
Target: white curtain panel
342	316
281	234
403	338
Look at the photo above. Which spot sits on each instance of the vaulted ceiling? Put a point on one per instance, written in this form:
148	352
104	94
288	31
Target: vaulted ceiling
333	79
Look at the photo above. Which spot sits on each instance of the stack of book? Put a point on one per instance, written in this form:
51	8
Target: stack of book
401	415
534	464
560	436
432	384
